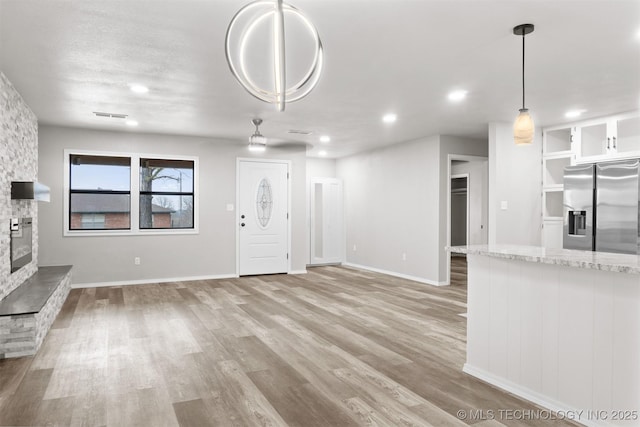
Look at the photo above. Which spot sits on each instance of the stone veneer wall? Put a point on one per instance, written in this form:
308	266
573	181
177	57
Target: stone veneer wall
23	334
18	162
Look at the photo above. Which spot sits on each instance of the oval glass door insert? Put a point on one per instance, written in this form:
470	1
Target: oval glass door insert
264	203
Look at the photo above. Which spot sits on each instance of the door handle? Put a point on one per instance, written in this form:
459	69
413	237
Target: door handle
614	142
608	143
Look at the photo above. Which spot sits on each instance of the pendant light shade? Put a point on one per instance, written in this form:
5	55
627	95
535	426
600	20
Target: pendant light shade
523	128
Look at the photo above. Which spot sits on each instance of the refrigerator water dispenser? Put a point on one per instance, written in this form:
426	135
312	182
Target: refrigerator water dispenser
577	223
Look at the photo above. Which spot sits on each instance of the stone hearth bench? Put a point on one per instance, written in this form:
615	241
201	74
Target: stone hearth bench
27	313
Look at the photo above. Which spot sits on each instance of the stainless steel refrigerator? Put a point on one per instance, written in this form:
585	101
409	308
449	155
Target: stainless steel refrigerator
601	207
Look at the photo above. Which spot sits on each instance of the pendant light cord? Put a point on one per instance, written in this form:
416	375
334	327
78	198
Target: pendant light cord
523	70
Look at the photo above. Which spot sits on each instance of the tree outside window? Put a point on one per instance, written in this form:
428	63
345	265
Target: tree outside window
166	193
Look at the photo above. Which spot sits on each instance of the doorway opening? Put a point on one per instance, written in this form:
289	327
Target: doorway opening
459	207
459	220
326	229
467	210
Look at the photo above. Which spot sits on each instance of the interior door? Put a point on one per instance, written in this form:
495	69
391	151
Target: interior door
326	221
263	218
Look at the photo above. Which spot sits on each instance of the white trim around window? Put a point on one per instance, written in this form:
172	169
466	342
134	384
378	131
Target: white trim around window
135	195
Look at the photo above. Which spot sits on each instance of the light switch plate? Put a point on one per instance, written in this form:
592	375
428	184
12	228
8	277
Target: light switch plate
504	205
229	207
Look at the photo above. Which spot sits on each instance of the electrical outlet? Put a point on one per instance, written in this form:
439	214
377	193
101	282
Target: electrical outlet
136	260
354	248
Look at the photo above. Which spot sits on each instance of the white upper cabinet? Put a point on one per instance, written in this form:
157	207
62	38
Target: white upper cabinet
557	140
610	138
557	153
627	136
593	140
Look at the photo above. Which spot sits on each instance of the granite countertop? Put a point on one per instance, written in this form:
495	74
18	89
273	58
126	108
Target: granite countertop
605	261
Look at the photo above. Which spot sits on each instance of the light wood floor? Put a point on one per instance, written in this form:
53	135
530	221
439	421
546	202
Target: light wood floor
334	347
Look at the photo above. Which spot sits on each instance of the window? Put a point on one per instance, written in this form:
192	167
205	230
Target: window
166	193
126	193
99	192
93	221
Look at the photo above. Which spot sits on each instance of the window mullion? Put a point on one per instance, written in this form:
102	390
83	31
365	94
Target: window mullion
135	193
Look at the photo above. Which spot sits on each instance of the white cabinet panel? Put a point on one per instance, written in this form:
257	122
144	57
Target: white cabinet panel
532	303
575	370
566	338
627	137
594	140
552	233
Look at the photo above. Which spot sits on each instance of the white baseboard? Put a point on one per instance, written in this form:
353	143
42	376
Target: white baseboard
148	281
297	272
393	273
578	415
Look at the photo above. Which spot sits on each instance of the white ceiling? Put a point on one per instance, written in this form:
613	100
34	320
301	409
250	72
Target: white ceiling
70	58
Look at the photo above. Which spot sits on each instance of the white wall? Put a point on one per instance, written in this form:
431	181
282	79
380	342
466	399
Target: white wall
210	253
391	208
515	177
396	203
321	168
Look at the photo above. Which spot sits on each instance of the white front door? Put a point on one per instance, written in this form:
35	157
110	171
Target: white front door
263	217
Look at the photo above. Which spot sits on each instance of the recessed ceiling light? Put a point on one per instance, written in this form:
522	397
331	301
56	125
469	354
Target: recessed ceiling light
322	153
325	138
131	123
457	95
574	113
138	88
389	118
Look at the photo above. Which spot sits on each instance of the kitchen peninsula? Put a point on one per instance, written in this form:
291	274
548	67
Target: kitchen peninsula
558	327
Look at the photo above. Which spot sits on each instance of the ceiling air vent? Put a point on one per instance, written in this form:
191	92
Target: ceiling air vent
300	132
110	115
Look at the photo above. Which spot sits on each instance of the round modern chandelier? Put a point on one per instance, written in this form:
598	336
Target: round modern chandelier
252	47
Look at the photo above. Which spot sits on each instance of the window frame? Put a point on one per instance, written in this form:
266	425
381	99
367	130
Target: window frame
134	192
167	193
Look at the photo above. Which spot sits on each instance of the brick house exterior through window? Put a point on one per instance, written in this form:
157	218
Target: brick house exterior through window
100	196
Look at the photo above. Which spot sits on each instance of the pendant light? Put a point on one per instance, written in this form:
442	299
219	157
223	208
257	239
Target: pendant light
523	128
257	142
